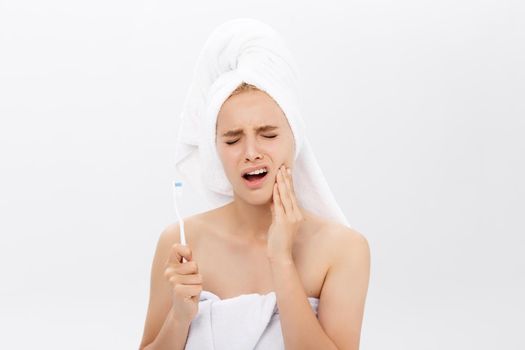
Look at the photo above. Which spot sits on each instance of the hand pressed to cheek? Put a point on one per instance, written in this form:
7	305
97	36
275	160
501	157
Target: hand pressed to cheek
286	217
284	191
277	205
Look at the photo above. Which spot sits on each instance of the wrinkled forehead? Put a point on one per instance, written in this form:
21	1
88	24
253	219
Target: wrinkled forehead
249	110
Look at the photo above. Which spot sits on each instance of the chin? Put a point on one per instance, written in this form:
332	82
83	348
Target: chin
260	196
258	201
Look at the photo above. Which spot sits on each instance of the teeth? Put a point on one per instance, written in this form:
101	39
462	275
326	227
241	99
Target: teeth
259	171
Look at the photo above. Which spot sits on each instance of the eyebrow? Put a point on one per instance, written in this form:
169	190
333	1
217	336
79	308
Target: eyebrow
236	132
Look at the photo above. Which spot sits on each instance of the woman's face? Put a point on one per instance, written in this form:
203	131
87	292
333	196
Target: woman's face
252	131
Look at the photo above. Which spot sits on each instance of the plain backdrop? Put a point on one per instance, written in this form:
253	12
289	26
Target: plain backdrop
415	110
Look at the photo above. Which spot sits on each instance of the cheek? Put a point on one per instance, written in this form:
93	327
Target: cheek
285	149
230	159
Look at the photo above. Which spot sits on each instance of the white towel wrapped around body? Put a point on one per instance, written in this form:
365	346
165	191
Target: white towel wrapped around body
245	322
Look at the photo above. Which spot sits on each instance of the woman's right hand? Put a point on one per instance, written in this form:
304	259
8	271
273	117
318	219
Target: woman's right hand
186	283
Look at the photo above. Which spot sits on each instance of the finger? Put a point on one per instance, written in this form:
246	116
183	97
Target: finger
287	181
187	268
178	251
289	185
195	278
187	291
277	208
290	178
283	192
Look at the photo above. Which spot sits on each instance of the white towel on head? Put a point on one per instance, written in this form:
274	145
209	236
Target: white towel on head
245	50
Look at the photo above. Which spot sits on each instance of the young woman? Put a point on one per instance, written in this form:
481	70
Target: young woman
260	244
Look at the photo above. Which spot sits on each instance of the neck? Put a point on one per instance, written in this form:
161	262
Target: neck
251	221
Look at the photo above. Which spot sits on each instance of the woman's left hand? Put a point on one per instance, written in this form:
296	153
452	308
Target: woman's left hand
286	218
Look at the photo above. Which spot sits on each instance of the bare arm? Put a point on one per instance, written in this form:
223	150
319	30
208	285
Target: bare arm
162	330
343	296
172	335
300	327
342	300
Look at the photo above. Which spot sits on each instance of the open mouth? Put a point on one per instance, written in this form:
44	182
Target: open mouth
256	179
252	178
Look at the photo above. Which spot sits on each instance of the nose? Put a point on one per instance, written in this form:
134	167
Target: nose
251	151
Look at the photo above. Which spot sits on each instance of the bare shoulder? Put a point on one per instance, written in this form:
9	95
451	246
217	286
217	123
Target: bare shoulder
350	237
193	225
336	233
170	234
346	243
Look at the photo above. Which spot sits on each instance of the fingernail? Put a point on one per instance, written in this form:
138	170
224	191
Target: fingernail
289	171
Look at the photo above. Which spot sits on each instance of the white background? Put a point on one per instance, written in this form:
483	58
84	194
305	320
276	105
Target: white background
415	109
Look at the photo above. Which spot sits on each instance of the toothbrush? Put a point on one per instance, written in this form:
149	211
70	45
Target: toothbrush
177	193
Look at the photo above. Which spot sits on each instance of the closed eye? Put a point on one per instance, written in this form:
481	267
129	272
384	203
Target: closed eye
268	137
